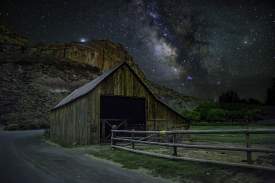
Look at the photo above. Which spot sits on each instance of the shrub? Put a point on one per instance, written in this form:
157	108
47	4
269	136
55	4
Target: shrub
234	114
210	111
192	115
229	97
11	127
216	115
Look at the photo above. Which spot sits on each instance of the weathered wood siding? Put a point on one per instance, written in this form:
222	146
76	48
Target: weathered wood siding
124	83
79	121
70	124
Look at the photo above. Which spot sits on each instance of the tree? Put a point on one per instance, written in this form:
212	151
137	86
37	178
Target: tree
229	97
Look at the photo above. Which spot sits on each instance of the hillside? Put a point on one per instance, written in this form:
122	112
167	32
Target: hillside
174	99
31	86
34	79
9	37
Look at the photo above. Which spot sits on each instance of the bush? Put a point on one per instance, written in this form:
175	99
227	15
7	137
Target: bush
204	109
252	114
192	115
235	115
207	106
215	115
229	97
11	127
225	112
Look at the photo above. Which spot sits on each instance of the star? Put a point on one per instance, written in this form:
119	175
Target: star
168	39
190	78
83	40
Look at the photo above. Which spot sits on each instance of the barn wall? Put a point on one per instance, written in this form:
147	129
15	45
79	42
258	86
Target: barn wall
94	113
79	122
70	124
124	83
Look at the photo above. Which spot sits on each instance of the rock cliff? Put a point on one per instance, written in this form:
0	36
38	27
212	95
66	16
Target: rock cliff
31	85
8	37
102	54
34	79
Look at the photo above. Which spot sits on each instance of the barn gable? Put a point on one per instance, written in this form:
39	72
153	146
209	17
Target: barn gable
85	89
80	118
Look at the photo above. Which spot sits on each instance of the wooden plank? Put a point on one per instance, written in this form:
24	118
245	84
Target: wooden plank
229	131
74	122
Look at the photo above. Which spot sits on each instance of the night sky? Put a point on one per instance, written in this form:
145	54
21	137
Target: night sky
200	48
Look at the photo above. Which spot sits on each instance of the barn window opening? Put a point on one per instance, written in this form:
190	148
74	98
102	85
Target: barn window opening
124	113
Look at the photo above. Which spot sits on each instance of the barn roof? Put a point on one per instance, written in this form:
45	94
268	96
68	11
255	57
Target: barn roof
83	90
88	87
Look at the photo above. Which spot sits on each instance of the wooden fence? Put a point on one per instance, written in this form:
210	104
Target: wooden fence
145	137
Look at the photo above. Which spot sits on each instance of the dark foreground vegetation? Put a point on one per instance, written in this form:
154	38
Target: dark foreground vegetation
229	108
186	171
182	171
264	139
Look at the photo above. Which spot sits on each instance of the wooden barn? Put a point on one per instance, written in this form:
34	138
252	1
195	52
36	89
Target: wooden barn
117	98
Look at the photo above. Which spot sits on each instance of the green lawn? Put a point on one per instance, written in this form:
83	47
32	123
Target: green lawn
228	126
186	171
181	171
267	139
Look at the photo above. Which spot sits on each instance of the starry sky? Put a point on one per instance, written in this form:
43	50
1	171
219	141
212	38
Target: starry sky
200	48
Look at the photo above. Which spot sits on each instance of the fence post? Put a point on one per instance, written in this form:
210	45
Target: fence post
133	138
175	153
113	134
112	139
248	153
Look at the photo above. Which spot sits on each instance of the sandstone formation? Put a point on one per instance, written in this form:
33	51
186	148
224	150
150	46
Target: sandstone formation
34	79
102	54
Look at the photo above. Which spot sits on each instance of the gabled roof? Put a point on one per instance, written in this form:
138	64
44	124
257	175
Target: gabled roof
88	87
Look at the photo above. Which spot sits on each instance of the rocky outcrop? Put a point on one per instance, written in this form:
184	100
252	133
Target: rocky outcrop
30	86
102	54
11	41
34	79
8	37
174	99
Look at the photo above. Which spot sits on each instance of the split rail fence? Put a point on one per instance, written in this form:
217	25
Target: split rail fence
128	139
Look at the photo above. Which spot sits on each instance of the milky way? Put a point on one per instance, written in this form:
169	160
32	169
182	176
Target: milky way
200	48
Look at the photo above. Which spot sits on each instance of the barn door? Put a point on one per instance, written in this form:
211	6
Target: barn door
108	124
126	113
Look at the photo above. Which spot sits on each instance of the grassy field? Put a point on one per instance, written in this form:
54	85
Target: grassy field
181	171
268	139
185	171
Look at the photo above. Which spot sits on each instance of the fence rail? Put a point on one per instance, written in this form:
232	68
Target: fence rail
232	131
132	140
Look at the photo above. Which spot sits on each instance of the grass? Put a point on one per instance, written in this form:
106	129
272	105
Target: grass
181	171
187	171
268	139
229	126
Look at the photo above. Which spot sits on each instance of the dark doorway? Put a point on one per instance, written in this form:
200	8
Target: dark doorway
123	112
